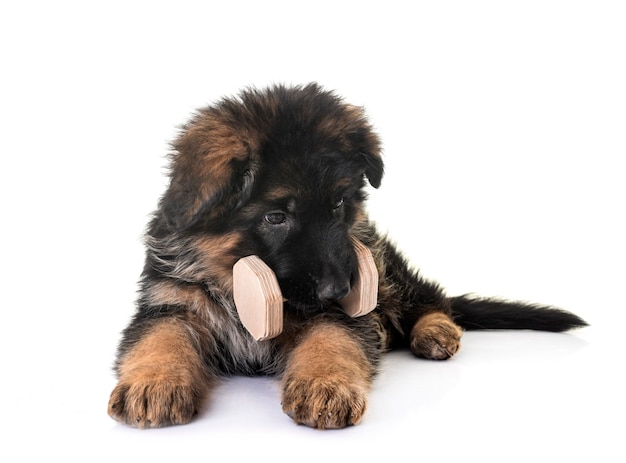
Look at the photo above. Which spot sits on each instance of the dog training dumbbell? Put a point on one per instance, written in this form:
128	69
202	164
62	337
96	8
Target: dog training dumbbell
259	300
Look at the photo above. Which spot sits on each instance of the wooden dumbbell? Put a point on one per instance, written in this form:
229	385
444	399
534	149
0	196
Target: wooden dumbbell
259	300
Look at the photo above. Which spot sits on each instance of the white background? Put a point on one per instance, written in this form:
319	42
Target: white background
504	132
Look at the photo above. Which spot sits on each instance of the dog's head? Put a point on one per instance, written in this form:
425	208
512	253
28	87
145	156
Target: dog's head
285	169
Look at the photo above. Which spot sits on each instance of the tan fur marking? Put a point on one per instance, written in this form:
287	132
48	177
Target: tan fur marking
211	138
435	336
218	254
161	379
344	182
327	379
169	293
279	193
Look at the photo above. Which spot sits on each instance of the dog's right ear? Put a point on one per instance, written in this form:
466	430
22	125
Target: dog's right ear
212	171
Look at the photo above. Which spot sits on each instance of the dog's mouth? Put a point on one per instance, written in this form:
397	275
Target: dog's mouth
306	309
303	299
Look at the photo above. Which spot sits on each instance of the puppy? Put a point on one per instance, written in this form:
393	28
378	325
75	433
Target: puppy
280	173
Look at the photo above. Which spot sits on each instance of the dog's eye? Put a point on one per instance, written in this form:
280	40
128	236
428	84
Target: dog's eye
275	218
338	204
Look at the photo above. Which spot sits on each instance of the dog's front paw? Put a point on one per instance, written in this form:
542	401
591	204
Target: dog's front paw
151	404
435	336
323	403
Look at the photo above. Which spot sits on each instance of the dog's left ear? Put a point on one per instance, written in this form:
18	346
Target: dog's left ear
375	168
360	138
212	171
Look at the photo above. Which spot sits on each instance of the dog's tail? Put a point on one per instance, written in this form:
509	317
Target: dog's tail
476	313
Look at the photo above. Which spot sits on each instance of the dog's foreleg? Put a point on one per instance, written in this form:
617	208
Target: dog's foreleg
161	378
327	378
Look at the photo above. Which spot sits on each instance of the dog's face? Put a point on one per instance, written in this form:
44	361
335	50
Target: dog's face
300	220
284	171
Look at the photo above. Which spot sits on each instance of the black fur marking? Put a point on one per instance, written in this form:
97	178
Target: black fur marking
476	313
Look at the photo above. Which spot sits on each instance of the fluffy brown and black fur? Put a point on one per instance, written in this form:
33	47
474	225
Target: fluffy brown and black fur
280	173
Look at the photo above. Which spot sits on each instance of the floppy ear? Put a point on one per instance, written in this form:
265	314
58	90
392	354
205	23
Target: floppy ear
375	168
212	171
362	139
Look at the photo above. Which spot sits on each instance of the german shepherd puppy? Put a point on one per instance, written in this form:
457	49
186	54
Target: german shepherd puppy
280	173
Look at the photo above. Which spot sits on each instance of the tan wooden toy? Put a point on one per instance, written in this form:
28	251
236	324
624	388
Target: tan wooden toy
259	300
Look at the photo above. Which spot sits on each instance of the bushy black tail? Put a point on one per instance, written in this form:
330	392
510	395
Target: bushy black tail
474	313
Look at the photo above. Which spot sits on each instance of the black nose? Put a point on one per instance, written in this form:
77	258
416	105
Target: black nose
332	290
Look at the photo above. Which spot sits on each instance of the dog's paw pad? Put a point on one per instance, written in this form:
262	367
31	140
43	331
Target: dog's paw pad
435	336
